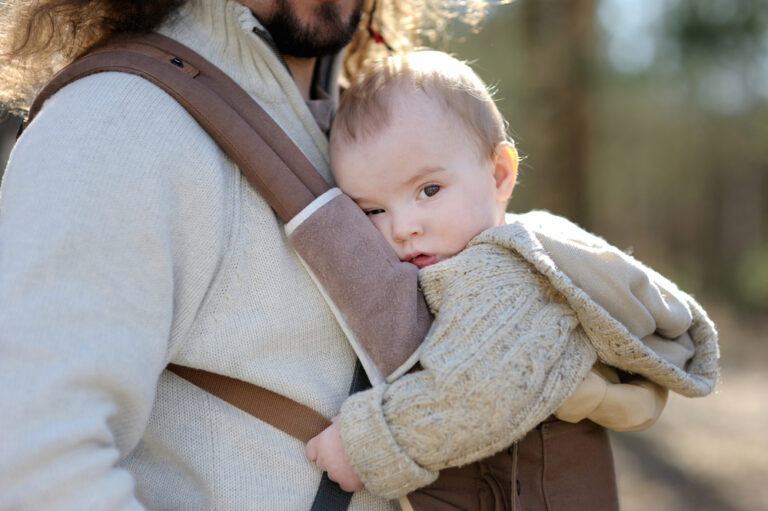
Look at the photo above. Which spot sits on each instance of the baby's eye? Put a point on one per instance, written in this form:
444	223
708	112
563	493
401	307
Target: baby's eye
375	211
429	190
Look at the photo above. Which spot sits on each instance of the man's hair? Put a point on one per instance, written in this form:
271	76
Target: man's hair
366	106
38	37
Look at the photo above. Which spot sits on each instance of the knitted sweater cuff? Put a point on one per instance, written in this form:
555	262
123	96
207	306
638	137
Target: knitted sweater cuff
376	457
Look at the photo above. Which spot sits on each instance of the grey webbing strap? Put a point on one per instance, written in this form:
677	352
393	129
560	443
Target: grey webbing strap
330	496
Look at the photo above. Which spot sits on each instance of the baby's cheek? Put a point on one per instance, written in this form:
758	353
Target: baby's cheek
381	225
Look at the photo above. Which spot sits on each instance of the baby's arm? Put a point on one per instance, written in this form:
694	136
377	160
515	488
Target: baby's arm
499	359
630	406
601	398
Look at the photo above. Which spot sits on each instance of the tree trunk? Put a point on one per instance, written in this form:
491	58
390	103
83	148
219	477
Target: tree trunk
556	127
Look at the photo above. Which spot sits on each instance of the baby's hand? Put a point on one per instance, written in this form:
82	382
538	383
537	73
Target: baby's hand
327	451
603	399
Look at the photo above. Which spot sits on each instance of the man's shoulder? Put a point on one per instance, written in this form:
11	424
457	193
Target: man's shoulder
115	118
108	103
117	129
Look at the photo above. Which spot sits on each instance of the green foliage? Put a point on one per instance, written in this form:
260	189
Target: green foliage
718	26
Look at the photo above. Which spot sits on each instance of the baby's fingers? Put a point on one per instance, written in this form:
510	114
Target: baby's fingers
350	487
310	451
347	481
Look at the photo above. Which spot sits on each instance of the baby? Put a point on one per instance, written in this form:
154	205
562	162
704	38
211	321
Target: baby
419	144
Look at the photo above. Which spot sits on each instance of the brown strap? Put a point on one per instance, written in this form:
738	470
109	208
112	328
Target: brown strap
269	159
285	414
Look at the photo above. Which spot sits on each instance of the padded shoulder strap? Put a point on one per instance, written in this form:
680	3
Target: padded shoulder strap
265	154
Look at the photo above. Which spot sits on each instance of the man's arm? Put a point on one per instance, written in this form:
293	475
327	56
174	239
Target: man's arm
87	291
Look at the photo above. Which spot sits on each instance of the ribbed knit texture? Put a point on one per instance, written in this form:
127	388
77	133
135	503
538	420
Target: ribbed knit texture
129	240
512	339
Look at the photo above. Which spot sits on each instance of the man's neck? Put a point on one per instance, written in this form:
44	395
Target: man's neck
302	71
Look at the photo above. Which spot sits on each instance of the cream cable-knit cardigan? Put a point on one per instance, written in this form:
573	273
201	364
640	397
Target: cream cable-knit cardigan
129	240
513	337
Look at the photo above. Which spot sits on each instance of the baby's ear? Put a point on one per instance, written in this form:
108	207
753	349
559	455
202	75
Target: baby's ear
504	170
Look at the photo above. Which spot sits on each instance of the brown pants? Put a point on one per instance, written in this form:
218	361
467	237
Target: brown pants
556	467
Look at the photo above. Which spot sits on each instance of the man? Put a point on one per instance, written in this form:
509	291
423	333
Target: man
130	240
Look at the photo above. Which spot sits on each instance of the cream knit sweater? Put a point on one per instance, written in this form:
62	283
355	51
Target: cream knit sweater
129	240
512	339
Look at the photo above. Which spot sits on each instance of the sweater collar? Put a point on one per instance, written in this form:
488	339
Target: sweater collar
226	33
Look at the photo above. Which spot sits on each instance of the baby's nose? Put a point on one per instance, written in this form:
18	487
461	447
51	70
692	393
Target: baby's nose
405	228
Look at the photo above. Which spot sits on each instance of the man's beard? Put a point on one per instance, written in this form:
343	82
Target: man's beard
326	34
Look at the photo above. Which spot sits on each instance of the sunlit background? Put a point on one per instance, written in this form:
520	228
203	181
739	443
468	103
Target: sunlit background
646	121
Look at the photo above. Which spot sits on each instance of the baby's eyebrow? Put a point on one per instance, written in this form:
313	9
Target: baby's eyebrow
422	173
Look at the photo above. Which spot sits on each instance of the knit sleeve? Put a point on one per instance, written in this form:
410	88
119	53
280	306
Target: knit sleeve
90	275
637	320
503	354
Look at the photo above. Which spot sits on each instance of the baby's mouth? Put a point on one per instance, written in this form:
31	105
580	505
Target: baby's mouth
422	260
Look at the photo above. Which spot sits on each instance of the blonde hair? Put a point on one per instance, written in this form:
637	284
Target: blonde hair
38	37
366	106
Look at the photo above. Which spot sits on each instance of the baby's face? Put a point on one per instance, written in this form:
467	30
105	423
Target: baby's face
422	182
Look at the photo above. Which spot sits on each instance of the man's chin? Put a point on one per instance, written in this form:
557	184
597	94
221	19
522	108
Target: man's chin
326	34
310	50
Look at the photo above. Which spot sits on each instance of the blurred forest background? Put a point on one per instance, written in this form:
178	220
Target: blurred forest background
646	121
